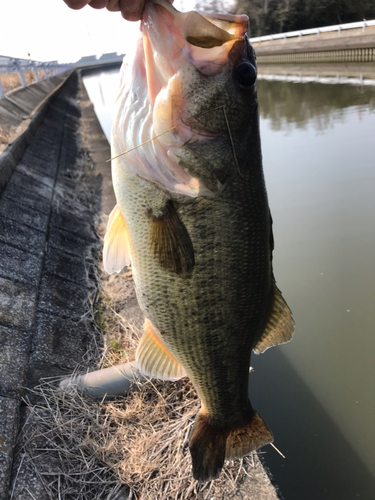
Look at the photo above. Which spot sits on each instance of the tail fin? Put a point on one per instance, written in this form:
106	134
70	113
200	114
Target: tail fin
210	444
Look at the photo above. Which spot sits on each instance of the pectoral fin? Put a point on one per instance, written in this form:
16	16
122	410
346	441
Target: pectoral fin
280	325
116	250
154	359
170	242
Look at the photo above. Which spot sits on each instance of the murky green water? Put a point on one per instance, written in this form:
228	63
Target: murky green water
317	393
318	146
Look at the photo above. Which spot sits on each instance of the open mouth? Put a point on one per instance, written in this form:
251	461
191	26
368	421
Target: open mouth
202	30
204	33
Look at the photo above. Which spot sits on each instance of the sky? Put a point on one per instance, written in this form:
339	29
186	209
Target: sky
48	30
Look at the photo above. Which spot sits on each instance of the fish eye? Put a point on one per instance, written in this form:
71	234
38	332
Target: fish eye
246	74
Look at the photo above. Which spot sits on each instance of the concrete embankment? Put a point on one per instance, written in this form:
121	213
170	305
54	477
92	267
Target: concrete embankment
353	45
51	192
54	184
21	113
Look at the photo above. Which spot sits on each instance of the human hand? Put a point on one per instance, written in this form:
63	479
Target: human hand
130	9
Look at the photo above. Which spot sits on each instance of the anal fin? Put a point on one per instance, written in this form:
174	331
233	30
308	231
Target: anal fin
170	242
280	325
116	249
154	359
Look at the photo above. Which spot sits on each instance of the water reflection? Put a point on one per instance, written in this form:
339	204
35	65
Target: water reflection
319	462
315	104
319	149
102	88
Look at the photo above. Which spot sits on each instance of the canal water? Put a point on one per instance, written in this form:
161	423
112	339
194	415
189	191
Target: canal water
317	393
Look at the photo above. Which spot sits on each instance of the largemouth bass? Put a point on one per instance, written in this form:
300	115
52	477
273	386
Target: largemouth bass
193	219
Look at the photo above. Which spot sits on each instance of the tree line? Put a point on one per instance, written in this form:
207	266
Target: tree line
277	16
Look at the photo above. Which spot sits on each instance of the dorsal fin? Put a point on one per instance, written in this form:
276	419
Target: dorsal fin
116	250
154	359
280	325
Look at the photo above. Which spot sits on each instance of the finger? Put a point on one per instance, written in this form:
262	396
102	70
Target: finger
132	10
113	5
98	4
76	4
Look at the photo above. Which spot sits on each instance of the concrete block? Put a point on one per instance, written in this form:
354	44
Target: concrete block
9	422
68	242
20	236
37	200
14	355
8	160
58	346
19	266
16	149
29	98
32	184
28	217
58	106
61	297
74	112
68	267
73	223
30	174
17	304
53	123
11	113
65	187
42	158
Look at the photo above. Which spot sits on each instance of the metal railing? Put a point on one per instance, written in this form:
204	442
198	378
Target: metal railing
330	80
314	31
13	65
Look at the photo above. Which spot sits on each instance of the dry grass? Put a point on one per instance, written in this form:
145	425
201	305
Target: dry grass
86	449
12	81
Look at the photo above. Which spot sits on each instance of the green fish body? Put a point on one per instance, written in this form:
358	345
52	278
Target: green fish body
192	216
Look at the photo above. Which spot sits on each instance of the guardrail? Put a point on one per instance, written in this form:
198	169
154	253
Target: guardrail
314	31
13	65
331	80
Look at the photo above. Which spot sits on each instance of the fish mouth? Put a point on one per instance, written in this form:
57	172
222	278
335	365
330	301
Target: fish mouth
175	45
175	38
152	109
204	31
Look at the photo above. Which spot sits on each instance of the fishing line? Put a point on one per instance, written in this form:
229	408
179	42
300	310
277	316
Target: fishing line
278	451
143	143
182	123
230	136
